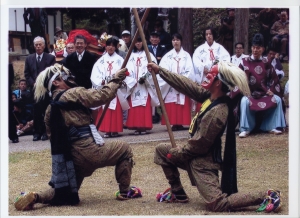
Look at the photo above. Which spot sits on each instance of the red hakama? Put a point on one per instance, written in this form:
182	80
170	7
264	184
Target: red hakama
178	114
112	121
140	117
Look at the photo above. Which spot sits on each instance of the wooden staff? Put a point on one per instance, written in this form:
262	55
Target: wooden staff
125	61
140	29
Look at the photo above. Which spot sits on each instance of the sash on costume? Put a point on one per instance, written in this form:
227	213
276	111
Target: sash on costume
63	178
229	174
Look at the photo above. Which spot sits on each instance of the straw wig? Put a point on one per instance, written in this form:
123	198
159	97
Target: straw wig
233	76
43	83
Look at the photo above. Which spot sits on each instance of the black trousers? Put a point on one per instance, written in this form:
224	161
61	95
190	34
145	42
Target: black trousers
39	109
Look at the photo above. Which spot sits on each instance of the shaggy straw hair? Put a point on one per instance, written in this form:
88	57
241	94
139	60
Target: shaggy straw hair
234	75
40	89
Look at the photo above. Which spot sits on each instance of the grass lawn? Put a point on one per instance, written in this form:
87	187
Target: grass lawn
262	163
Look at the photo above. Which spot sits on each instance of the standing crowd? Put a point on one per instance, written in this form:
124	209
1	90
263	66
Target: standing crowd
227	90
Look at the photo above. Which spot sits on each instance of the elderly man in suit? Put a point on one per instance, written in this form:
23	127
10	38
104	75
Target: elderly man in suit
81	62
34	64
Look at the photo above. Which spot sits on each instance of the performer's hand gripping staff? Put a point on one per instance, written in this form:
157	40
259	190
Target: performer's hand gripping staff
154	69
125	61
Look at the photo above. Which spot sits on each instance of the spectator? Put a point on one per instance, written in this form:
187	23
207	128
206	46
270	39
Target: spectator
265	90
119	51
266	18
178	106
206	54
155	48
23	117
239	54
143	95
102	73
158	51
81	62
69	49
165	38
37	62
280	33
34	64
24	94
226	30
13	96
38	20
123	55
12	135
59	34
273	58
126	37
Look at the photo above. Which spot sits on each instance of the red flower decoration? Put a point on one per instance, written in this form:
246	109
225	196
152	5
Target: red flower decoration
169	156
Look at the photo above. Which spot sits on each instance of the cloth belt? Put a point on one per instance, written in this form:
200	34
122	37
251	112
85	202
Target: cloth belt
76	133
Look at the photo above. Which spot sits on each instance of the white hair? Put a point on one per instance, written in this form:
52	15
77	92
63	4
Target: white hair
39	38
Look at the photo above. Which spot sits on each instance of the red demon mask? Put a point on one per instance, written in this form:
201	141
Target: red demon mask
210	77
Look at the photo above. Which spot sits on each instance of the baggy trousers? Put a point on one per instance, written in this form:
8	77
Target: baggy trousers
88	156
207	183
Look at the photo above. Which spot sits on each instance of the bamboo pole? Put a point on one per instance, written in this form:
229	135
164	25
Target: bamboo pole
125	61
140	29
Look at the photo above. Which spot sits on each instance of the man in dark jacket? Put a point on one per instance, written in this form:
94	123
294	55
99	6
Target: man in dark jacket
81	62
157	50
34	64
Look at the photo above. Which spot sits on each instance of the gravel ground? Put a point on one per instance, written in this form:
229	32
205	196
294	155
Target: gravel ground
158	133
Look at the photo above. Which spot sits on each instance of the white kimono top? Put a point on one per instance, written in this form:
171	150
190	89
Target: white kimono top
103	71
205	55
180	63
237	60
137	68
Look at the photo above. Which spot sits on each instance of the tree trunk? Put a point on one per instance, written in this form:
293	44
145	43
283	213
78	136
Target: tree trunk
185	28
241	27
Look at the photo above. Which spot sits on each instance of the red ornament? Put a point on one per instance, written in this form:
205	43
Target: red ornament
158	196
269	208
127	73
169	156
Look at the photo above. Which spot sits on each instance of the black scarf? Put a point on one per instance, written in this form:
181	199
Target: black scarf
63	172
229	172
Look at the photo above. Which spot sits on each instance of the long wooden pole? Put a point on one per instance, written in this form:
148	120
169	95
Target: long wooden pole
161	101
125	61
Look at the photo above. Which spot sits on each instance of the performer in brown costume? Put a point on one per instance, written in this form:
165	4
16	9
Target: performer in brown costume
76	146
201	155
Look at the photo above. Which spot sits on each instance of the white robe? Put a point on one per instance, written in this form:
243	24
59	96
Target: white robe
103	71
237	60
201	58
180	63
137	68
